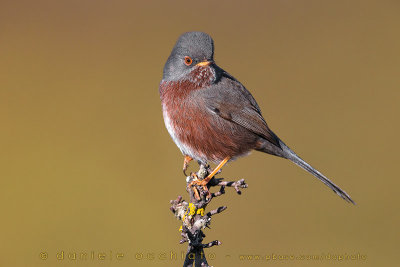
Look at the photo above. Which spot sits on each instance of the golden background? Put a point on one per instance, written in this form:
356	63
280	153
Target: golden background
86	163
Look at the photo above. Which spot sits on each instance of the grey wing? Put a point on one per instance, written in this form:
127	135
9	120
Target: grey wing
232	101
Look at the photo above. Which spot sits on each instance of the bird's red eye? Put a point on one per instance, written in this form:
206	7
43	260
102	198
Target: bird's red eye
188	61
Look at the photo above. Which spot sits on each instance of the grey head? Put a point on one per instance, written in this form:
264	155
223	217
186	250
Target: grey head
191	49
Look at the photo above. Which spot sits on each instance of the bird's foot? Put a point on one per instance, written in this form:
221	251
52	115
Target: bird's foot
196	184
186	162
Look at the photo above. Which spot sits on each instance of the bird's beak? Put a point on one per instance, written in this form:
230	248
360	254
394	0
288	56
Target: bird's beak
204	63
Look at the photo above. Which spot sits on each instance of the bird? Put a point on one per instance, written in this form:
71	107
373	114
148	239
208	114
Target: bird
211	116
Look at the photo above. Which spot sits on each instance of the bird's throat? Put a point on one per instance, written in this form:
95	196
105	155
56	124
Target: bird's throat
200	77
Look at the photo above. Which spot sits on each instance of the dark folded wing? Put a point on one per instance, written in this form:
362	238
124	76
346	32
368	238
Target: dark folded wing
230	100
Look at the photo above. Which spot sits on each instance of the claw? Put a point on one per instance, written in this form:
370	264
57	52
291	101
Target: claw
186	161
203	183
196	192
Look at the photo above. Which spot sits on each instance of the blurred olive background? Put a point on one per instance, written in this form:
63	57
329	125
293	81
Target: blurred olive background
86	163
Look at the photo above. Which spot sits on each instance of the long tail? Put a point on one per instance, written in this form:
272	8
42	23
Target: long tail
289	154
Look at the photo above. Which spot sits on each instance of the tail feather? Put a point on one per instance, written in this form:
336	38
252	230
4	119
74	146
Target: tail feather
289	154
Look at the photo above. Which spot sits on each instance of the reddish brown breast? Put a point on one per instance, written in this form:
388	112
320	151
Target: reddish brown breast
198	132
180	113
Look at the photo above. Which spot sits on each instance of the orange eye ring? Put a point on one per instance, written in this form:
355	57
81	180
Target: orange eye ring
188	61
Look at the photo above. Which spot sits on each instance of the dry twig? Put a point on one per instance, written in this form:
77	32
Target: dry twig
193	216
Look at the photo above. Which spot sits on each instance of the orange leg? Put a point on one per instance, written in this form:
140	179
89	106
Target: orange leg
211	175
186	164
205	181
195	191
